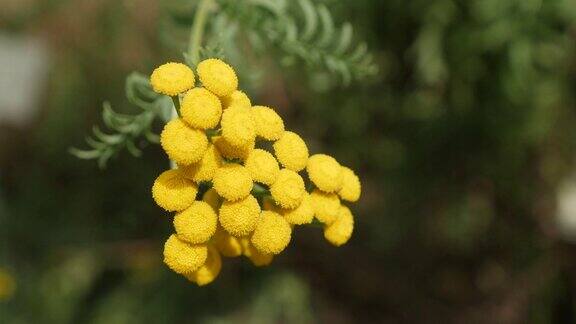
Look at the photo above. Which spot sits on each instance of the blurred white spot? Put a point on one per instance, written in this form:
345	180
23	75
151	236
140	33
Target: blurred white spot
566	214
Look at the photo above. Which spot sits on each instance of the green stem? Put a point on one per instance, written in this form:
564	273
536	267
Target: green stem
197	31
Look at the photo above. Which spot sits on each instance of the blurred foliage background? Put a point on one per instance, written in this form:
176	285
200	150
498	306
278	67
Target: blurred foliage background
464	141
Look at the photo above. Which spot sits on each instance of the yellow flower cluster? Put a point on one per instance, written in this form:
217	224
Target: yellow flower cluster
231	198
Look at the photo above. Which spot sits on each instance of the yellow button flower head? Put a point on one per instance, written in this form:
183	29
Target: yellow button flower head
183	257
228	245
232	181
184	145
201	108
340	231
218	77
196	224
232	152
325	206
238	127
172	78
204	169
211	198
237	98
272	233
173	192
209	271
291	151
268	124
262	166
258	258
325	172
303	214
351	187
288	190
239	217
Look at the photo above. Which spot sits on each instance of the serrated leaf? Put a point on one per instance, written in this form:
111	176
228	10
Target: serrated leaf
345	39
327	26
131	147
106	138
84	154
310	19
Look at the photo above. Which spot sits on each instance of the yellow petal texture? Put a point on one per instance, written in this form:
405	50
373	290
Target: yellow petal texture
268	124
204	169
340	231
237	98
196	224
325	172
325	206
291	151
288	189
228	245
211	198
209	270
272	233
303	214
173	192
232	181
217	76
263	166
184	145
351	187
258	258
239	218
201	108
183	257
238	127
232	152
172	78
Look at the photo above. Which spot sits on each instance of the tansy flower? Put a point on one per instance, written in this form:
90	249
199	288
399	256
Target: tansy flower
209	270
184	145
211	198
340	231
263	166
196	224
232	181
228	245
268	124
183	257
325	206
258	258
291	151
204	169
351	186
172	78
217	76
272	233
303	214
232	152
201	108
325	172
173	192
237	98
238	127
288	189
239	217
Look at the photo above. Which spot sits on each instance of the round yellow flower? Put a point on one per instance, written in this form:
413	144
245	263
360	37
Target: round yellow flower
211	198
268	124
196	224
201	108
204	169
232	181
303	214
228	245
272	233
238	127
325	206
172	78
291	151
183	257
184	145
325	172
209	270
258	258
173	192
218	77
232	152
262	166
288	189
340	231
239	217
351	187
237	98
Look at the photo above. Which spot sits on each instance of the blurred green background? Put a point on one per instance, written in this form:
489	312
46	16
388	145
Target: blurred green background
464	141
